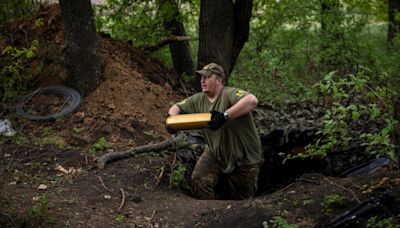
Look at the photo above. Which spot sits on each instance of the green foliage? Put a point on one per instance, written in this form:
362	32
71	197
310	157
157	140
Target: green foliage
289	49
12	80
176	179
355	105
332	201
100	145
39	23
120	218
151	133
12	9
142	22
307	201
39	212
375	222
49	137
20	139
77	130
278	222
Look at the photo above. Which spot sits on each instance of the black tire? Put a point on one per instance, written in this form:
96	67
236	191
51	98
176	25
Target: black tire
72	97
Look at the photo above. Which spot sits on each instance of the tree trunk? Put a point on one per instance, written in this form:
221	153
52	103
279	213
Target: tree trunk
82	53
393	27
331	35
180	51
224	28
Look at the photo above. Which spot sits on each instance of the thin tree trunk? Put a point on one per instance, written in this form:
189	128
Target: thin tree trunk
330	34
180	51
224	28
393	24
82	53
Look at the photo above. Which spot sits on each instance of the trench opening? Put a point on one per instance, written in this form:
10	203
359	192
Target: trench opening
276	174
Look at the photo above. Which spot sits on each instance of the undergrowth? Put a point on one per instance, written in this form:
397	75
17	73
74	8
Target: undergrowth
359	115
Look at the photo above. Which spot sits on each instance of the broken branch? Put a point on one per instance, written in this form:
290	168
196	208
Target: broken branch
102	184
160	175
174	142
122	200
151	219
164	42
346	189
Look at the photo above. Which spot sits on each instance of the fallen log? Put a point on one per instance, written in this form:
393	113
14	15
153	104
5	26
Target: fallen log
173	143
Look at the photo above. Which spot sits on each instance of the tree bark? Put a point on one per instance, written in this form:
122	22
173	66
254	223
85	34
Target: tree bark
82	52
180	51
331	35
393	24
224	29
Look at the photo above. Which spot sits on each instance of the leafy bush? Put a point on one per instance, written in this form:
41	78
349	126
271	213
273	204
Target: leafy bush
39	212
141	23
289	49
334	200
355	105
12	79
375	222
177	176
100	145
278	222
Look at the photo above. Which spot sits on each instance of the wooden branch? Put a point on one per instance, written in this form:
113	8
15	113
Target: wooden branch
346	189
164	42
175	142
104	186
151	219
160	175
122	199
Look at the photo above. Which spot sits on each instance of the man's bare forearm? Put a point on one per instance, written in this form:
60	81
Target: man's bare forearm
243	106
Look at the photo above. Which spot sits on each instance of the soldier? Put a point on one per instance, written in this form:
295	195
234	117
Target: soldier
233	152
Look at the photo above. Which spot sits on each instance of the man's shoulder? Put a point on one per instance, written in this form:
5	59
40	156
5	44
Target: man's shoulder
199	95
195	97
228	89
235	92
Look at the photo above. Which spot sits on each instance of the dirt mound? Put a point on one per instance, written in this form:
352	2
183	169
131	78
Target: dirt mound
133	98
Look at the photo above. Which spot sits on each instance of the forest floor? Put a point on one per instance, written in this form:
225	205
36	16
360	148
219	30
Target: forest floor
128	109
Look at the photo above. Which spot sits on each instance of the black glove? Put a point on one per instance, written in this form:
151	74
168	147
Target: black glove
171	131
217	120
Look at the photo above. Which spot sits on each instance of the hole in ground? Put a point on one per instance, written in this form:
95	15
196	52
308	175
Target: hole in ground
274	174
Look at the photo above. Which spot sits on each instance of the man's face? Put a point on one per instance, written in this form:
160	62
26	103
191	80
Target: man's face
209	83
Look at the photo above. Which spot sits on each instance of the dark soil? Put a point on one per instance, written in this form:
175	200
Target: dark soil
128	109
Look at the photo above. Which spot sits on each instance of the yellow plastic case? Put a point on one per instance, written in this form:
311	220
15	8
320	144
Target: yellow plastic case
188	121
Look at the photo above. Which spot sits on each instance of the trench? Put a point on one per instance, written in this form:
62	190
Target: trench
276	145
274	172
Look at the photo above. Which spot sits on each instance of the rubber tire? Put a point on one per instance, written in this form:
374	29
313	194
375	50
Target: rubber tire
73	96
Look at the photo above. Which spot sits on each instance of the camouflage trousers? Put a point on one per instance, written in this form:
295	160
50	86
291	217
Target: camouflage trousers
208	182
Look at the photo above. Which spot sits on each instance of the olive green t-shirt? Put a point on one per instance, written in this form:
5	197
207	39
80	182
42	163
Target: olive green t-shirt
236	142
